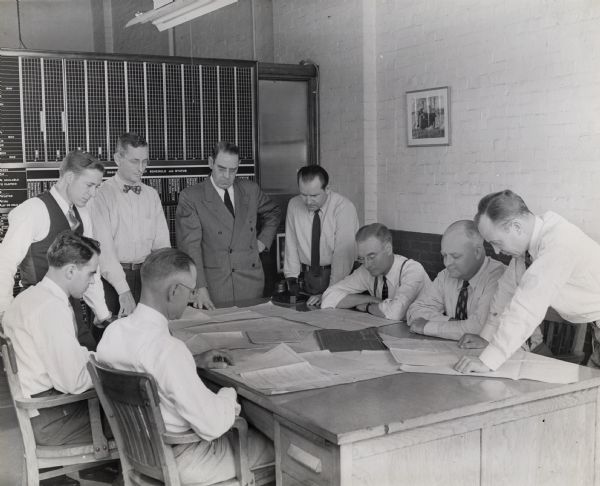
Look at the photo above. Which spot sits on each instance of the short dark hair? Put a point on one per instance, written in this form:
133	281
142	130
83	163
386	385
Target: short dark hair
129	139
77	161
501	207
309	172
225	147
69	247
164	263
377	230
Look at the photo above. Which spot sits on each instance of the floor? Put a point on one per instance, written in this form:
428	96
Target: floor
11	444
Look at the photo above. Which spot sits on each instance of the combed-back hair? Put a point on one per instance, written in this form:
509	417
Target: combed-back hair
69	247
164	263
129	139
501	207
77	161
377	230
469	229
309	172
226	148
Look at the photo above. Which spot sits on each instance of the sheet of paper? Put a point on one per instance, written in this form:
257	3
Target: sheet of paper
284	377
216	340
281	355
273	336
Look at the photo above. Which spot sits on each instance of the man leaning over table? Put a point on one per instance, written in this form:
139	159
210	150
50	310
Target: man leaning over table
142	342
393	282
459	299
554	264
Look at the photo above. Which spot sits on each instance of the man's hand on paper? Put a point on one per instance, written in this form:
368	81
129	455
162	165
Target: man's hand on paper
472	341
468	364
314	300
202	299
418	325
213	359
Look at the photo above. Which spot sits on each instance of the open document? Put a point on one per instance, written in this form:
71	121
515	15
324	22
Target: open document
424	356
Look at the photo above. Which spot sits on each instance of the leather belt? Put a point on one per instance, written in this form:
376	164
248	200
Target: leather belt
132	266
306	268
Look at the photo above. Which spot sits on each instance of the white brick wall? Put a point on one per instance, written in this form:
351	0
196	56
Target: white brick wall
525	108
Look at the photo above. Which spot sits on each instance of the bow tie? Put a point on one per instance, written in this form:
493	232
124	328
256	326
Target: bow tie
135	189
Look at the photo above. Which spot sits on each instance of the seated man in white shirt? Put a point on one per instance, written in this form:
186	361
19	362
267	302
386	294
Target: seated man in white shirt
41	324
554	264
393	282
142	342
459	299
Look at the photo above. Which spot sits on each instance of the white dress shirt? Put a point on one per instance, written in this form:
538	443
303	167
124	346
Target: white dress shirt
41	325
437	304
221	192
564	275
29	223
129	227
142	342
414	280
339	224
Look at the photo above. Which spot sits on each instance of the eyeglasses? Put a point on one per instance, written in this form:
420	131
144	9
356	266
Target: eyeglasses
370	257
193	292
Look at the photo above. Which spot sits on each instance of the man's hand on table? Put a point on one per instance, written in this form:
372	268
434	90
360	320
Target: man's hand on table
213	359
418	325
314	300
468	364
472	341
202	299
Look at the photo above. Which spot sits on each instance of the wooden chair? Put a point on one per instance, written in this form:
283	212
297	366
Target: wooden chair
131	402
69	458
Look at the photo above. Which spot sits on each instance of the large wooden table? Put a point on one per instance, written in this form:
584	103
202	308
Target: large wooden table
423	429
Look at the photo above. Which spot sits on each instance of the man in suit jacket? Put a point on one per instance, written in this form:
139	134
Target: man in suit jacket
216	224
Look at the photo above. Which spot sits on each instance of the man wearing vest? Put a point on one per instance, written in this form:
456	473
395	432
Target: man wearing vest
33	226
393	281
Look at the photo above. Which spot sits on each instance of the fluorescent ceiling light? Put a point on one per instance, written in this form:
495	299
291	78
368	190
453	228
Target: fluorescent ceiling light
178	12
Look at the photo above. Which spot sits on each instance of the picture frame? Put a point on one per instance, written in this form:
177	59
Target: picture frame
428	117
280	247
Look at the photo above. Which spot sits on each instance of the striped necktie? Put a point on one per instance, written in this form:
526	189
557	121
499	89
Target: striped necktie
461	304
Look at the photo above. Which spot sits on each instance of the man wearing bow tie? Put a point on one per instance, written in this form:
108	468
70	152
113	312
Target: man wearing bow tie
129	222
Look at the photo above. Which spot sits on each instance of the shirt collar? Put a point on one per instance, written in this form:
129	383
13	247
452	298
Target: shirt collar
475	278
52	287
64	205
121	183
220	191
536	237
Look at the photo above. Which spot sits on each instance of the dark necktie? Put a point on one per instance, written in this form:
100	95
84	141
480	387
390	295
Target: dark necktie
384	289
228	203
315	243
134	189
461	303
73	220
528	260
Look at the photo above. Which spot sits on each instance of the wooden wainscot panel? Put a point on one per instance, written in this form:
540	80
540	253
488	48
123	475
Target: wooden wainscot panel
452	461
258	417
551	449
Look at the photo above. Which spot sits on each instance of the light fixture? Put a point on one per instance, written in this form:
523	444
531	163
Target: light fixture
167	15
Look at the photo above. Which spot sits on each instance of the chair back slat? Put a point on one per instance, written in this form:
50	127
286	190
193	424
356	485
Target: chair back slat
134	402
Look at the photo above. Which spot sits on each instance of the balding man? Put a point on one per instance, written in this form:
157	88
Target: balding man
458	302
554	264
393	282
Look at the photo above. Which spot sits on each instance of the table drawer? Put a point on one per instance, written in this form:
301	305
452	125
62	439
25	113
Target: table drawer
307	459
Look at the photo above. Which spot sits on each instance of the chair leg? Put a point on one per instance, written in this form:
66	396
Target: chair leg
30	475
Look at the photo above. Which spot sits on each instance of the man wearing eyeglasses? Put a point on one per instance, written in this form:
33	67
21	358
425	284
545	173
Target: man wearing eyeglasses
33	226
129	222
393	282
223	223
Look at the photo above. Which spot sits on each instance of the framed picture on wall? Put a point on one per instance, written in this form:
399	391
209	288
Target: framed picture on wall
280	241
428	118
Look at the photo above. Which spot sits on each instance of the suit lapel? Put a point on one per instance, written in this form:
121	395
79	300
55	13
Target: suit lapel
241	205
216	206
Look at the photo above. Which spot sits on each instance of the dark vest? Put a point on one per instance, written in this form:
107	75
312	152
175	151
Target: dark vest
34	266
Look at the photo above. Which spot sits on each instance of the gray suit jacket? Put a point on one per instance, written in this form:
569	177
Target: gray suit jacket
225	249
